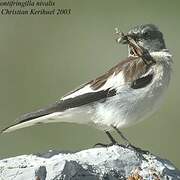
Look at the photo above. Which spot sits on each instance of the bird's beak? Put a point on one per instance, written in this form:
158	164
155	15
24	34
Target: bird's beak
129	40
123	40
121	37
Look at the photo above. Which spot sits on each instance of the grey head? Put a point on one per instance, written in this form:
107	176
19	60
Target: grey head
148	36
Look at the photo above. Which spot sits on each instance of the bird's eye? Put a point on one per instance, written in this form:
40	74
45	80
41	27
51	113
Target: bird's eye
147	35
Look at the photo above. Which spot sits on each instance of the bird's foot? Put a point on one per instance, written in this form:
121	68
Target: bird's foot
137	149
139	152
103	145
108	145
113	142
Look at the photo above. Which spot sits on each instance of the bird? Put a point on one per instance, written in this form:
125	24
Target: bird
126	94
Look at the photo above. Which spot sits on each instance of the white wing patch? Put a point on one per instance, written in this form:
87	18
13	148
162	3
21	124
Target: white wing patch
113	82
83	90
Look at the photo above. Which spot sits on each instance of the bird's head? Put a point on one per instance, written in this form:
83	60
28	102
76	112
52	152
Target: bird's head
147	36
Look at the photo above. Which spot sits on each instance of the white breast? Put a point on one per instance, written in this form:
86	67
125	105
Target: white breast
133	105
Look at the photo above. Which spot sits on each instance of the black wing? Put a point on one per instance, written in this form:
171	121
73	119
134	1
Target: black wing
142	81
62	105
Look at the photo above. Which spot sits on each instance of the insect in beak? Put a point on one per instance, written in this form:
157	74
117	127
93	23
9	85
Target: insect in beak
135	49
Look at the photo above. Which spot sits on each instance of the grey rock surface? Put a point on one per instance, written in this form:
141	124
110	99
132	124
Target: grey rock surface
112	163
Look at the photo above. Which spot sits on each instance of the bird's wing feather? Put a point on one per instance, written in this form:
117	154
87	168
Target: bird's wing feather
142	81
99	83
44	114
132	68
69	103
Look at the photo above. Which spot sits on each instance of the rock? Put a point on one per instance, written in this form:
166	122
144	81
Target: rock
112	163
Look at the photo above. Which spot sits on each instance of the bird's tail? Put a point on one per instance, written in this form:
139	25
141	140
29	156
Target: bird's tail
36	117
50	114
27	123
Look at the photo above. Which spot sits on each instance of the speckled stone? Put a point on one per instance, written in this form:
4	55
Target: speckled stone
112	163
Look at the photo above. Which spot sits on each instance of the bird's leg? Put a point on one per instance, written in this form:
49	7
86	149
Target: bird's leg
122	136
113	141
128	144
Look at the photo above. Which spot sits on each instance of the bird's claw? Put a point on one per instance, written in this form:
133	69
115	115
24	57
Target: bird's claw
108	145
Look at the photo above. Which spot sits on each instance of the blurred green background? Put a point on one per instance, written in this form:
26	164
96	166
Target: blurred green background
44	57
